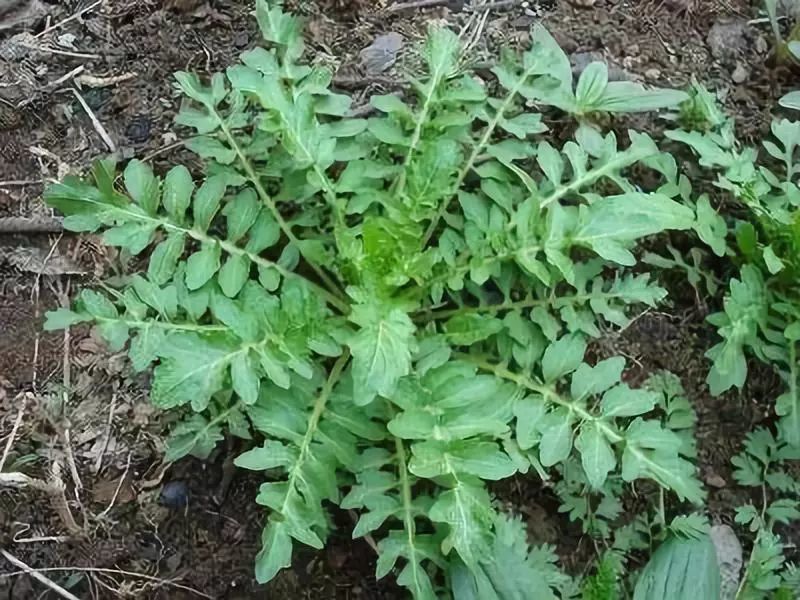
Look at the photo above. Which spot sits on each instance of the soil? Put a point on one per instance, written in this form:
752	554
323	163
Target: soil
74	414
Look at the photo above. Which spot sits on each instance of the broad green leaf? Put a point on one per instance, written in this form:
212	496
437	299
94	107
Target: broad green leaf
245	378
587	381
209	147
202	265
390	104
177	192
97	305
774	264
381	349
241	213
622	401
206	201
467	329
145	346
194	436
710	226
61	318
276	551
591	86
481	459
467	510
626	96
271	455
165	258
133	236
233	274
530	411
556	441
192	369
142	185
563	356
611	223
264	233
653	452
597	457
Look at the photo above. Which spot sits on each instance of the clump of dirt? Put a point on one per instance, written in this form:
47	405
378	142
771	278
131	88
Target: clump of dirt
73	73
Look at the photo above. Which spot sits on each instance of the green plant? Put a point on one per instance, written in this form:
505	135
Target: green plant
684	567
761	312
763	464
398	306
786	49
700	111
512	570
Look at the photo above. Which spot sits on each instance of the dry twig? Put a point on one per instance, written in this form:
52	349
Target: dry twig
99	82
416	4
159	581
13	435
98	127
54	488
38	576
63	22
19	182
35	225
107	436
119	487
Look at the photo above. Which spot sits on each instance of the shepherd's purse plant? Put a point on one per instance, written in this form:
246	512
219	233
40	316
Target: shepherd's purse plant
395	309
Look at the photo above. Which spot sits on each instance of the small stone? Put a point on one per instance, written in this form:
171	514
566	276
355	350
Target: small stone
729	559
581	60
138	129
175	494
381	53
715	481
740	73
241	39
727	37
652	74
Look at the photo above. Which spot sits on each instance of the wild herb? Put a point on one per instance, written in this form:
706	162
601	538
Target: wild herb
396	309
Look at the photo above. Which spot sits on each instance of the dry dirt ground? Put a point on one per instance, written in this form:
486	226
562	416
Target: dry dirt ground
74	72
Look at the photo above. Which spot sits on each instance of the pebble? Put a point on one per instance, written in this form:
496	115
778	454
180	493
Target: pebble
652	74
138	129
381	53
740	73
727	37
175	494
715	481
241	39
729	558
581	60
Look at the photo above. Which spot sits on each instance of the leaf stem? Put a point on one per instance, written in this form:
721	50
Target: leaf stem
270	204
313	422
623	159
136	324
794	428
547	392
435	315
408	512
232	248
477	149
213	422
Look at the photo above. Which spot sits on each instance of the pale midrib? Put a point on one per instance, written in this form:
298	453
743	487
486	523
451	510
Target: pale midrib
434	83
408	517
476	151
311	429
268	202
229	247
